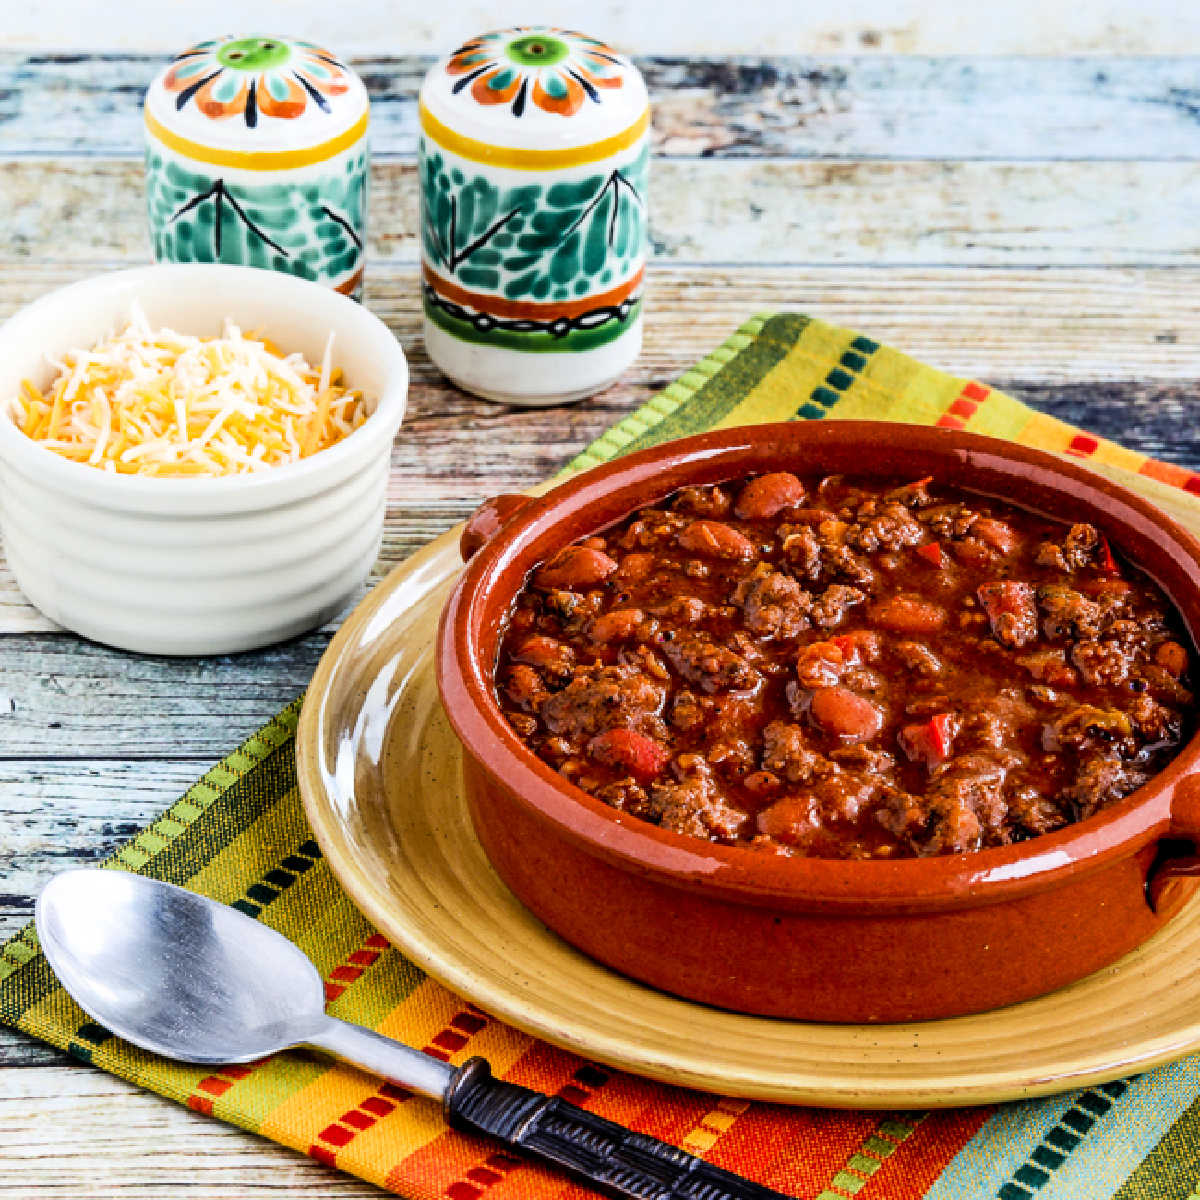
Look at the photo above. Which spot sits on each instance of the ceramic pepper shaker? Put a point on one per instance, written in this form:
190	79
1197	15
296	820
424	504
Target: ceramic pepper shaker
256	154
533	154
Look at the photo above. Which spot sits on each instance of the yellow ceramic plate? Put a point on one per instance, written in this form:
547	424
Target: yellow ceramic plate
380	774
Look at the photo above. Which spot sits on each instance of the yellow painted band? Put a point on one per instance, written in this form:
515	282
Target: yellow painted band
257	160
530	160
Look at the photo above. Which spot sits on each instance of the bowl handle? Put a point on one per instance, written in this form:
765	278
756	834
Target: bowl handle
1185	825
487	521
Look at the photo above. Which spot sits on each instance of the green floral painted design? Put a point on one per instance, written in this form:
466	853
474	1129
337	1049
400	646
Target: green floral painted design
535	241
310	229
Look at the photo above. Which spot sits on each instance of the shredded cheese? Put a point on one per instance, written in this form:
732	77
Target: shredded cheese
157	402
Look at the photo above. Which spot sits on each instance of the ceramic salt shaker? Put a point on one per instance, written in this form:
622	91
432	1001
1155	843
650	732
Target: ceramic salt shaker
533	154
256	154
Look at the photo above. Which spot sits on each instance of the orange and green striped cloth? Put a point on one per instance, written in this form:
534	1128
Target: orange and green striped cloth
240	836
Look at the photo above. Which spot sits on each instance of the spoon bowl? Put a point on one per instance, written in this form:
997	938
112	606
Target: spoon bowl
175	973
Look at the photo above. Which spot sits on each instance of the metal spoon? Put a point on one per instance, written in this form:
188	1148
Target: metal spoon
187	978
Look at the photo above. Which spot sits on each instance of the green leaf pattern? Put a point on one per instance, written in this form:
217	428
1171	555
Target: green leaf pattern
542	241
312	229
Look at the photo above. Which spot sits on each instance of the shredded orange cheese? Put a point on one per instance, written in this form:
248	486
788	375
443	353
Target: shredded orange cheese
156	402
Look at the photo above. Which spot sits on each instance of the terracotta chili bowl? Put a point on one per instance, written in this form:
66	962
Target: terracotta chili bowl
816	939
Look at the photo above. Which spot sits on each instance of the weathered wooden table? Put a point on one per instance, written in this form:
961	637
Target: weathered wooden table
1031	222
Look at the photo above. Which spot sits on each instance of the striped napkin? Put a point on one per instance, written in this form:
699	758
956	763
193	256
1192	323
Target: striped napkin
240	836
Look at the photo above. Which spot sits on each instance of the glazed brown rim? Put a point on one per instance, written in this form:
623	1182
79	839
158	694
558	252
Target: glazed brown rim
912	884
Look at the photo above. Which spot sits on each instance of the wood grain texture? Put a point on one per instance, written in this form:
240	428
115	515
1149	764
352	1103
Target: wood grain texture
891	107
673	26
71	1132
771	211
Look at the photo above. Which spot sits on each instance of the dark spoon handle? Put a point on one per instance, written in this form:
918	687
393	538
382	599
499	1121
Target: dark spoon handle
610	1157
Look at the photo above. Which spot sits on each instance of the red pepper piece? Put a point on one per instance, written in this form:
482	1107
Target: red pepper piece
939	725
933	552
847	643
929	741
641	756
1108	563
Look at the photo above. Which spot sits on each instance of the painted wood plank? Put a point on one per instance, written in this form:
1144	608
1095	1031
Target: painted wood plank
892	107
71	1132
1052	325
735	211
65	694
57	815
675	26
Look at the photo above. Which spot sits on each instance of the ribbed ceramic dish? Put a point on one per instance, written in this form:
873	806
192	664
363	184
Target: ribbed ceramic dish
380	774
198	565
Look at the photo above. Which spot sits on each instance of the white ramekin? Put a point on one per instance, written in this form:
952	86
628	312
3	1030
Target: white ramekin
198	566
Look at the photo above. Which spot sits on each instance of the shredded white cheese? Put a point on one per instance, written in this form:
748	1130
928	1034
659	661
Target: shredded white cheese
158	402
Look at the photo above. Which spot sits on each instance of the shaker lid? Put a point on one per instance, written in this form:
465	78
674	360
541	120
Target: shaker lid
256	95
533	88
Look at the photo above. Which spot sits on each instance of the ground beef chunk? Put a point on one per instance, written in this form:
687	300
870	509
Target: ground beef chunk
834	602
1101	779
889	528
1105	663
786	752
840	561
1155	722
626	794
652	529
524	687
688	712
605	698
1033	813
773	605
801	550
1077	549
701	660
1068	613
865	758
949	521
702	501
918	658
683	610
694	804
966	803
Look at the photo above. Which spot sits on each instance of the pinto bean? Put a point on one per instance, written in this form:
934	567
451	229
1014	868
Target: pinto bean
839	711
1172	657
716	539
575	567
619	625
909	614
769	495
791	820
996	534
641	756
635	567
